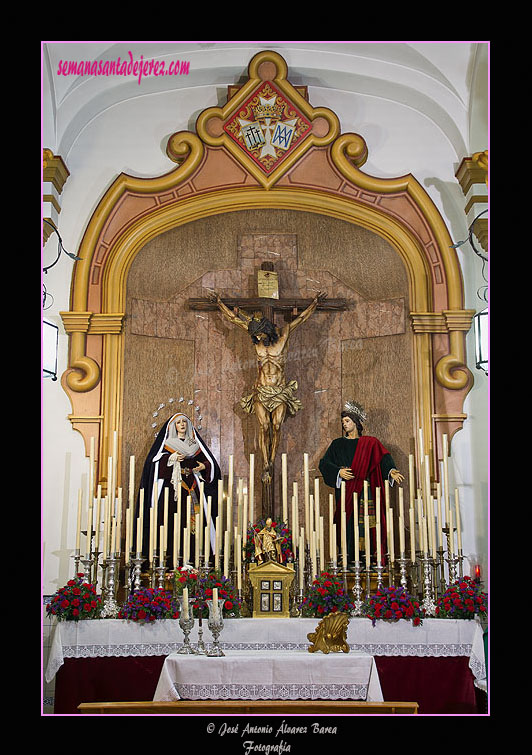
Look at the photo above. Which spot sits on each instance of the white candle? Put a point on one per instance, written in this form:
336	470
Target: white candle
312	524
161	545
219	507
141	512
285	487
131	489
334	554
401	525
238	544
322	551
343	527
128	536
356	527
113	539
175	557
295	523
301	558
245	516
151	536
217	543
177	530
186	532
215	610
451	533
164	542
251	486
390	531
98	519
90	482
378	523
412	534
306	495
200	525
458	521
226	554
139	538
313	555
78	522
90	514
317	497
439	533
367	543
185	602
445	460
411	478
332	541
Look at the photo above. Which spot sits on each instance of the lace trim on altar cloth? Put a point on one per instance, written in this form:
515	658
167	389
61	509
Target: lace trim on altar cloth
391	649
267	692
421	650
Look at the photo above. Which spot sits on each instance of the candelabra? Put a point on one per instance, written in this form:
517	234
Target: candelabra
215	623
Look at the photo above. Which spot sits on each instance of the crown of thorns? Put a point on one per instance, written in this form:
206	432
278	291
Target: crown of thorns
356	409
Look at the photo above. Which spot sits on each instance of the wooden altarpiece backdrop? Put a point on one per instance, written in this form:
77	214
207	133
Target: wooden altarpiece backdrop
152	245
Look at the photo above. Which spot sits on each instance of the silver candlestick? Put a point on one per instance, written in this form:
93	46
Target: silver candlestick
77	559
215	623
137	564
110	606
200	645
160	572
186	622
357	591
428	604
380	570
87	565
403	580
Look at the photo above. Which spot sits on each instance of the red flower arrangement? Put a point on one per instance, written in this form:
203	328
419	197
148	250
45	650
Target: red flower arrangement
462	600
226	592
185	577
149	604
392	604
326	595
76	600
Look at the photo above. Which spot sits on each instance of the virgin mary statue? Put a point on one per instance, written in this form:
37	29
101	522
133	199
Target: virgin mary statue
179	460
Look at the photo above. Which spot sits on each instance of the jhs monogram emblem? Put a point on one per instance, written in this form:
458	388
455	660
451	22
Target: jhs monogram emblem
270	130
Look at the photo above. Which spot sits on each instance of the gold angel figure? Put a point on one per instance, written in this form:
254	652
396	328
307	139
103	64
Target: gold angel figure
331	634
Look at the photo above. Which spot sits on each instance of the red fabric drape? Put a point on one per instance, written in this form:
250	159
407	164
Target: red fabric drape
438	685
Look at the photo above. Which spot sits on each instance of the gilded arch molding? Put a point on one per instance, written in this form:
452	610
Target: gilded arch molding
213	177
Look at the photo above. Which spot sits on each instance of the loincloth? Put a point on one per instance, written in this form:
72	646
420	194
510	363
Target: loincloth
271	397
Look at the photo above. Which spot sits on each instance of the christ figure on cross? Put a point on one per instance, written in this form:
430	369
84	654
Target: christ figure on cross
271	396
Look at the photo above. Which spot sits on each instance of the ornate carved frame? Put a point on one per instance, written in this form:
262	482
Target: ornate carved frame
213	176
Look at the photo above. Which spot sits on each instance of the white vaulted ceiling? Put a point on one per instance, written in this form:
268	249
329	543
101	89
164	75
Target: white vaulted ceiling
441	82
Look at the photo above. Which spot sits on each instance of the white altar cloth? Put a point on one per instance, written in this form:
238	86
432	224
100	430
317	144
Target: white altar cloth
269	675
118	637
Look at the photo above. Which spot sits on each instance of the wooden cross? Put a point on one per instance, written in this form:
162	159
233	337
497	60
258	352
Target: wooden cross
268	306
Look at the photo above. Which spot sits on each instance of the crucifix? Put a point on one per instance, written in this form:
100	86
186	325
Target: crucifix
272	396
